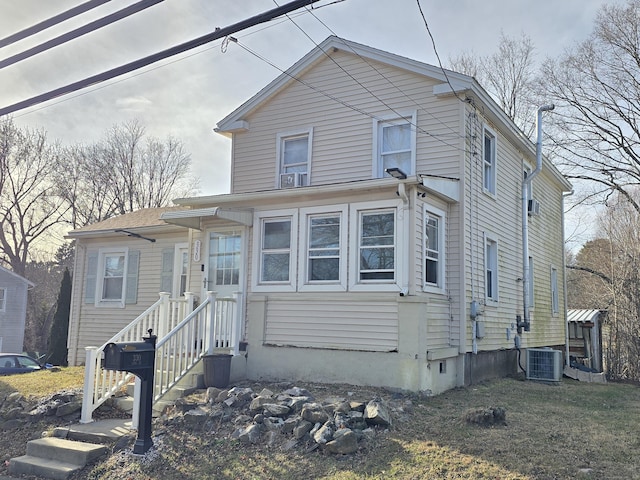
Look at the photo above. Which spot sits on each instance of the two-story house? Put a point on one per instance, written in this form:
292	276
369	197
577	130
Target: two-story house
373	233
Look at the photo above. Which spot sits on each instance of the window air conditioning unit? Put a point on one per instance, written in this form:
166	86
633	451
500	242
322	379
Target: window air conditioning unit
544	364
292	180
533	207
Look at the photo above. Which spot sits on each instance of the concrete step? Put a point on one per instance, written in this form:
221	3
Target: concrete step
42	467
55	458
67	451
102	431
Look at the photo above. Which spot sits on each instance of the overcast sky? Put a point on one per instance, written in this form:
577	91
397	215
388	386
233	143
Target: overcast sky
186	96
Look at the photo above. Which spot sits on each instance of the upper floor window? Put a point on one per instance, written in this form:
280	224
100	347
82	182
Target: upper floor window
491	268
395	144
294	159
489	161
3	299
433	248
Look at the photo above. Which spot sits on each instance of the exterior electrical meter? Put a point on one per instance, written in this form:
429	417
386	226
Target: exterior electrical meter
138	358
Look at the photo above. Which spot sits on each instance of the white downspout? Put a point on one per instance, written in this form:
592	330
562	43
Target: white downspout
525	223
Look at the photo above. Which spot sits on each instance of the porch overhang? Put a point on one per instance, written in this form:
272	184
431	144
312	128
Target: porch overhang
448	189
193	218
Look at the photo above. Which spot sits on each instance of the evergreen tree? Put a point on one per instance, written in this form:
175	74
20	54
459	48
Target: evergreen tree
58	336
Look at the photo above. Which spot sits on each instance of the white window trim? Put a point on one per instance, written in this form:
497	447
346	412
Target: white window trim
494	170
554	289
3	302
305	215
394	285
412	118
489	237
280	137
102	253
177	268
428	287
259	217
527	168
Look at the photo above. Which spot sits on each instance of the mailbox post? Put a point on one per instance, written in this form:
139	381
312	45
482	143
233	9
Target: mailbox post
137	358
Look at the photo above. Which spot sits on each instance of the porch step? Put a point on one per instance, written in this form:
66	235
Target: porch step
55	458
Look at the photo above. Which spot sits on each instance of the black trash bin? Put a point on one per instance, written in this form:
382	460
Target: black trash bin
217	369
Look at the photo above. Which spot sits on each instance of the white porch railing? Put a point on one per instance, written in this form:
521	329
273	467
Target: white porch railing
184	336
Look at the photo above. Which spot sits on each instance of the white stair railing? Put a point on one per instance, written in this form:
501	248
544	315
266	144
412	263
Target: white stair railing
100	384
215	325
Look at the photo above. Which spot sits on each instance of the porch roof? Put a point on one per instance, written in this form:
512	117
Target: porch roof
583	316
192	218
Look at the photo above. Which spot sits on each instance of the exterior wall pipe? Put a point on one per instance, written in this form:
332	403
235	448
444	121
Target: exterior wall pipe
526	321
564	288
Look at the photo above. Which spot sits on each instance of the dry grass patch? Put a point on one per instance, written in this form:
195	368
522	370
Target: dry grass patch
44	382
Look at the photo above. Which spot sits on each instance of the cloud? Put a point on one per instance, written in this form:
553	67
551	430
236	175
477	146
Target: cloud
133	104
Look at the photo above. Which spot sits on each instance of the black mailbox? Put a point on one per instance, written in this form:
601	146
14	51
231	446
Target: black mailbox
129	357
138	358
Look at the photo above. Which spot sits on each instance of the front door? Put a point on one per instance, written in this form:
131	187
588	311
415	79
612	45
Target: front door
224	263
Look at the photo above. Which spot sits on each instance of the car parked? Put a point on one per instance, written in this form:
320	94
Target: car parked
11	363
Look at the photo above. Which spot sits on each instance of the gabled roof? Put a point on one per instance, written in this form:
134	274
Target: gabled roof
18	277
452	82
235	120
146	218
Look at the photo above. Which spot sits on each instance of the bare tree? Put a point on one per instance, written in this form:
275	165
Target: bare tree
29	205
596	89
124	172
508	75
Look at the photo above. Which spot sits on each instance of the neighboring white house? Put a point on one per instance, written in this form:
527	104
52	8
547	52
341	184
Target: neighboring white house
374	230
13	310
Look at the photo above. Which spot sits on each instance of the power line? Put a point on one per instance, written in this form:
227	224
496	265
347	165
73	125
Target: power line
50	22
336	99
143	62
435	50
166	64
78	32
373	67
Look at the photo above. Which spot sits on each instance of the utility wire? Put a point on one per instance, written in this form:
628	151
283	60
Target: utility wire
333	97
149	70
392	109
435	50
183	47
78	32
50	22
373	67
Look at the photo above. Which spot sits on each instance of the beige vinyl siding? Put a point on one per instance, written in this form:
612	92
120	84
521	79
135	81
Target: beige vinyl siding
369	324
93	326
498	217
545	231
343	137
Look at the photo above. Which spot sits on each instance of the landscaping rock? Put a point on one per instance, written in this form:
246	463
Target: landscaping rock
376	414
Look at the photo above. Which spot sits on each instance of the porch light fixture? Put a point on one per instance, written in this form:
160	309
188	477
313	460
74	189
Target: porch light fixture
396	173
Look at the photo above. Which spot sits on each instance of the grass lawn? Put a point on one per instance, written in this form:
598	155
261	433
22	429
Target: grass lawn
569	430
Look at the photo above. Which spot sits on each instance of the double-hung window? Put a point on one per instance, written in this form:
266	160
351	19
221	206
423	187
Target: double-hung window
3	299
489	161
395	145
491	268
276	259
294	155
377	249
434	228
112	277
324	248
